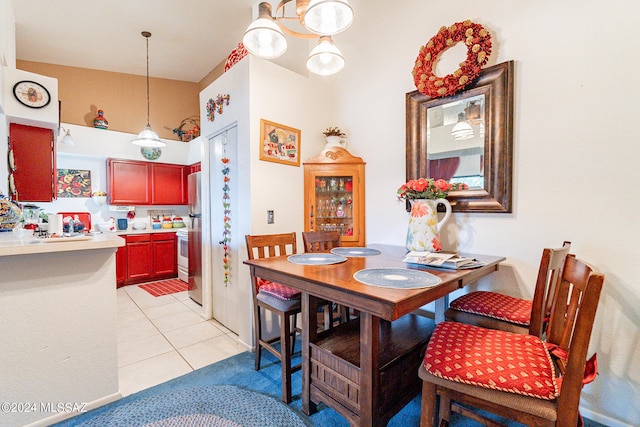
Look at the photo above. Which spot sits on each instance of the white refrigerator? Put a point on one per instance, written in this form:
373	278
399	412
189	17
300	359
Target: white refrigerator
195	238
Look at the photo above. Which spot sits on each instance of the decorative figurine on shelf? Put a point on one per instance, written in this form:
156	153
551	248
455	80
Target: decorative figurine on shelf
100	122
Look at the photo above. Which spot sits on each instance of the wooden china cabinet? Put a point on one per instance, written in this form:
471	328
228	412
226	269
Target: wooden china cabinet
334	195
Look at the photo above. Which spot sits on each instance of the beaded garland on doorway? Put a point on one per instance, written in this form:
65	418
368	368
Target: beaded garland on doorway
226	233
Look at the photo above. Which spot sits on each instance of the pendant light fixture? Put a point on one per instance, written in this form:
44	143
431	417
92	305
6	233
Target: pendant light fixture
327	17
265	39
462	130
148	138
325	59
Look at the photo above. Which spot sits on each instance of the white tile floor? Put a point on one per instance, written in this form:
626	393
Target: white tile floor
160	338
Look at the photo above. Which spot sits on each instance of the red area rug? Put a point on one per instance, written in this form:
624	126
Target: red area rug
165	287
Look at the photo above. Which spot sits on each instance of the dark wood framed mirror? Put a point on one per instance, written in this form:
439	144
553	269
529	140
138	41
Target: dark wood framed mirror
467	137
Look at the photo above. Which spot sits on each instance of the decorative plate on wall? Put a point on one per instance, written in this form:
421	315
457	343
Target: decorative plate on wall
151	153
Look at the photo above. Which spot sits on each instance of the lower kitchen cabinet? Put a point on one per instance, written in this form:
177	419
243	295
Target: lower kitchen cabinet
147	257
165	255
139	259
121	266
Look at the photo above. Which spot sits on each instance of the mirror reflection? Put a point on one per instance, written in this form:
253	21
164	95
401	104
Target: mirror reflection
456	136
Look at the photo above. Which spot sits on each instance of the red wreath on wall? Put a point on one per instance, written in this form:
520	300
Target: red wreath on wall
478	42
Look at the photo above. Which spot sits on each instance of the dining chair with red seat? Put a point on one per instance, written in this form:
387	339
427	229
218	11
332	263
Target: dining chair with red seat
276	298
520	377
324	241
494	310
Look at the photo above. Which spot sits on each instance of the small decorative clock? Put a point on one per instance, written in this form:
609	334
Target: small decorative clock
31	94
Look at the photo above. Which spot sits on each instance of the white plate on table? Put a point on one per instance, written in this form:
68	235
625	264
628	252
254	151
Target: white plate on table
316	259
396	278
355	252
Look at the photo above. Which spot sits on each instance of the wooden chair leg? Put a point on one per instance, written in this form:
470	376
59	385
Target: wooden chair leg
294	319
285	356
328	316
428	404
445	408
344	313
257	335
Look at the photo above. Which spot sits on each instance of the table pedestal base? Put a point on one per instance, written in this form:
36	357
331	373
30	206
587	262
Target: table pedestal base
336	377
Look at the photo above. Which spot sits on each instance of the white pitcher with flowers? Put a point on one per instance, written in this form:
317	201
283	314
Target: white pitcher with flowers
424	195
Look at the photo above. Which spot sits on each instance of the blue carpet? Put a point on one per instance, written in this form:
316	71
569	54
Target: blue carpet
238	371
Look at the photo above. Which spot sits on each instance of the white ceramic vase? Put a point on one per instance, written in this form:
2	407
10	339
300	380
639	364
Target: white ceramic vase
334	141
423	233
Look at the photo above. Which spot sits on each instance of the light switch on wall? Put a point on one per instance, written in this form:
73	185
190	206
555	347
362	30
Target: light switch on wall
270	218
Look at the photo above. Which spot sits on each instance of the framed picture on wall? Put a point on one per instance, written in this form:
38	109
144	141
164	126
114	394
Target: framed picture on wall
74	183
279	143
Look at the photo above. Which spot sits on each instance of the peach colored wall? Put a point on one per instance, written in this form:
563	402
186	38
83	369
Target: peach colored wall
122	97
212	76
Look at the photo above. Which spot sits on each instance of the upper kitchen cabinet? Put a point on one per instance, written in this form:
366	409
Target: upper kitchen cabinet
334	195
168	184
32	164
131	182
128	182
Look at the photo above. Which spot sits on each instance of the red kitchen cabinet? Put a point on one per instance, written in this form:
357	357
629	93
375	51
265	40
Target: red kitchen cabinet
128	182
131	182
196	167
169	184
139	258
32	164
121	266
147	257
164	248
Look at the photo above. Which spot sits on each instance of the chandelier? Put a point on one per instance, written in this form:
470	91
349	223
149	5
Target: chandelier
148	138
265	38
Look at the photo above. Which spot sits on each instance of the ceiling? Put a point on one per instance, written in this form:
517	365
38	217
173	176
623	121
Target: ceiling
189	38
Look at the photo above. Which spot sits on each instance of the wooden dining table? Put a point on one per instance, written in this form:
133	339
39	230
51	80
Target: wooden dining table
365	368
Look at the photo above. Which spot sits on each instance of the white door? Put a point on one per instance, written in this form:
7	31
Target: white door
224	241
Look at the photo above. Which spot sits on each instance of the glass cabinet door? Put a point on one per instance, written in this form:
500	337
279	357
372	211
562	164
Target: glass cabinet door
334	204
334	195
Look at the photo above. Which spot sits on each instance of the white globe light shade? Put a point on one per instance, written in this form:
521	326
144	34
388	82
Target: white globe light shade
148	138
328	17
325	59
264	39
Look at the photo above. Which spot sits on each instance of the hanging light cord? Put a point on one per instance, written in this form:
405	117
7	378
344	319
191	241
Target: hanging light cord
147	34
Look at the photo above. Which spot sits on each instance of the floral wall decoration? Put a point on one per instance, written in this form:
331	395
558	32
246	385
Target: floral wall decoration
74	183
188	129
216	106
226	205
235	56
478	42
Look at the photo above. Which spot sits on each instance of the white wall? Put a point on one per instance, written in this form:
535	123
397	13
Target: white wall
7	36
575	157
262	90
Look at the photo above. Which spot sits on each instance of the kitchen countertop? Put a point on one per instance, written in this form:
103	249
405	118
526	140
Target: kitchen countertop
145	231
11	244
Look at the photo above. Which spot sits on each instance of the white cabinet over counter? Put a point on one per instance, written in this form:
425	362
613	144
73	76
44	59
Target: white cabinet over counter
58	327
